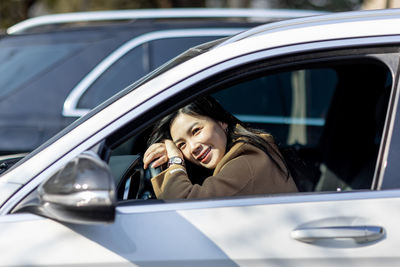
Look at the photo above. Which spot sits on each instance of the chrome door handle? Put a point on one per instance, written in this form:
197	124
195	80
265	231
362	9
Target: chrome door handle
361	234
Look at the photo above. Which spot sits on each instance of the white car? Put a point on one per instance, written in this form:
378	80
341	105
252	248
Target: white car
325	86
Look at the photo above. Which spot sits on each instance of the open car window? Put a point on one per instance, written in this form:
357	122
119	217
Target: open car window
329	116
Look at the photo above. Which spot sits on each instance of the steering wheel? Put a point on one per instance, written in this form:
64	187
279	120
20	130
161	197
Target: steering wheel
145	188
135	182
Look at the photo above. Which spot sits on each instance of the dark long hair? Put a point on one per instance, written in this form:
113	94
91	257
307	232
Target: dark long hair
237	131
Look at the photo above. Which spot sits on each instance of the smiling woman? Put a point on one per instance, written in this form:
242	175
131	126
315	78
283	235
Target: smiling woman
203	136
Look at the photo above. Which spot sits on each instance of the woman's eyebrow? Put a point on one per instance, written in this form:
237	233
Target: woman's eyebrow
188	131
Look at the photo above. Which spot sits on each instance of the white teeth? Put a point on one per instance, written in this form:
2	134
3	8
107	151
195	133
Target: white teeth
204	154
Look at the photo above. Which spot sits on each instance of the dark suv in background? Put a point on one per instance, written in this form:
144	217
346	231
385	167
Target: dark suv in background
56	68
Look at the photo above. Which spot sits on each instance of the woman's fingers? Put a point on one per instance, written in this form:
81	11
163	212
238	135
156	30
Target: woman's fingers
160	161
156	152
155	149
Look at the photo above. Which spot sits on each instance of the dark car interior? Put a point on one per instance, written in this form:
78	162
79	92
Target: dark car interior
327	118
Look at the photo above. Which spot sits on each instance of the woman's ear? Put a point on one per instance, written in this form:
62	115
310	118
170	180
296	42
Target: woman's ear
223	125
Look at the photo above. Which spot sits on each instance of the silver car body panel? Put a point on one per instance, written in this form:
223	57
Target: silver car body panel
7	190
37	248
340	17
90	132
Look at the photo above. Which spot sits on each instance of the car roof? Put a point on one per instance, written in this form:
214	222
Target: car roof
255	15
313	21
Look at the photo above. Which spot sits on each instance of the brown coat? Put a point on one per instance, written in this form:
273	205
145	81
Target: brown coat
244	170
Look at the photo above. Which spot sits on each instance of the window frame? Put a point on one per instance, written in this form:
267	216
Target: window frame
285	63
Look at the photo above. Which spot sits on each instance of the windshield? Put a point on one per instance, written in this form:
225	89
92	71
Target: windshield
24	61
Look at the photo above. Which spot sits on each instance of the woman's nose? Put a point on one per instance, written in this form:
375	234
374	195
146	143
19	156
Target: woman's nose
195	148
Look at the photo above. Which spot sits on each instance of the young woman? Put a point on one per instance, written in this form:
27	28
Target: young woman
243	161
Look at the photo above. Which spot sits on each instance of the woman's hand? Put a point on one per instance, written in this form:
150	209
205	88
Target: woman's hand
156	152
160	153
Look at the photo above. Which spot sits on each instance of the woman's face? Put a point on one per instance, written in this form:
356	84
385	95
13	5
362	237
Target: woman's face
201	139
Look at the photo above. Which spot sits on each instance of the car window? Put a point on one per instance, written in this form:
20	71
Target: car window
135	64
19	64
327	118
318	114
293	105
126	70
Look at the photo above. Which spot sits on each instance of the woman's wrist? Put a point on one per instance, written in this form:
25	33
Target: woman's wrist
176	160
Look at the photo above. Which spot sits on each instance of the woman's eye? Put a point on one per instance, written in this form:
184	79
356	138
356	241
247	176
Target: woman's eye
181	146
195	131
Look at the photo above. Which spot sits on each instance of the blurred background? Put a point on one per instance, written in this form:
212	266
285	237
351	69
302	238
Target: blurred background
13	11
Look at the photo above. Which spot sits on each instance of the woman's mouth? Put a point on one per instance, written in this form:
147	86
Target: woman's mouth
204	156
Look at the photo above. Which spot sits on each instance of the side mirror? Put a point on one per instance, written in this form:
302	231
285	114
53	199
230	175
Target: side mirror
82	192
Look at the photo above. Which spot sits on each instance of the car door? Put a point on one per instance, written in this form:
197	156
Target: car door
343	220
342	216
224	233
